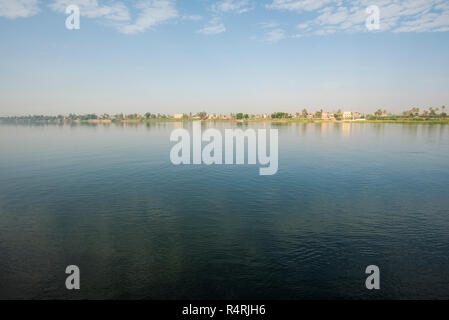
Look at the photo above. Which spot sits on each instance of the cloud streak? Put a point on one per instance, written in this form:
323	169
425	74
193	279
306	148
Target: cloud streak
272	33
13	9
238	6
152	13
336	16
274	36
115	11
215	26
298	6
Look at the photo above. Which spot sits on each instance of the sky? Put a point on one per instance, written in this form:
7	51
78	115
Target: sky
222	56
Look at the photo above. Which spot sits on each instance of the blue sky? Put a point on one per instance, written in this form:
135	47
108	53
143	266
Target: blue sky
223	56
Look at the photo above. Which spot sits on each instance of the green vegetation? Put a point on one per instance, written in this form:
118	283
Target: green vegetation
281	115
240	116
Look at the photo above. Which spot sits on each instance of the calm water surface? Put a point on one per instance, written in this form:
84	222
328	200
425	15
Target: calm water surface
108	199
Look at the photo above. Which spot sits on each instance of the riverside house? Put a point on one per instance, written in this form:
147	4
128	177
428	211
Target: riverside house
347	115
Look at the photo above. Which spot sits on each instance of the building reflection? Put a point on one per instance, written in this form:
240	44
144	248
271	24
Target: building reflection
346	129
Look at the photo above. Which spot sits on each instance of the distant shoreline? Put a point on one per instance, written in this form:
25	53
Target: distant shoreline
143	121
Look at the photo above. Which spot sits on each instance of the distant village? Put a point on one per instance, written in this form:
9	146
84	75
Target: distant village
319	115
304	115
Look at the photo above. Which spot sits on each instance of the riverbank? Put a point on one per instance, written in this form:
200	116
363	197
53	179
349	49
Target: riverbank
140	121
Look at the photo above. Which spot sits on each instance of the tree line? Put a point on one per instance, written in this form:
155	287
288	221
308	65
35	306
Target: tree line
429	113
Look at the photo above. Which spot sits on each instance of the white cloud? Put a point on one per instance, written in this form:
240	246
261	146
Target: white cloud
427	22
149	12
298	5
239	6
116	11
193	17
332	16
215	26
268	25
274	36
18	8
152	13
272	33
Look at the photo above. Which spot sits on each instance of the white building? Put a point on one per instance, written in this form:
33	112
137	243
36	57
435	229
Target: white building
347	115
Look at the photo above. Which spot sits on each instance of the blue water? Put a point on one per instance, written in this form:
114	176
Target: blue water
107	199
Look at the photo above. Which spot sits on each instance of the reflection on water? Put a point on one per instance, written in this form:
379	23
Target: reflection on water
106	198
346	129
